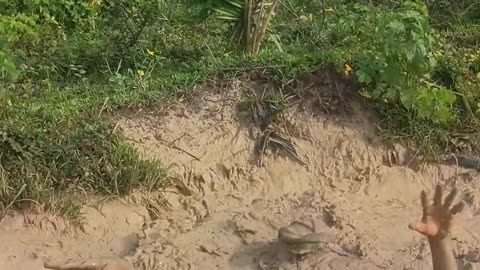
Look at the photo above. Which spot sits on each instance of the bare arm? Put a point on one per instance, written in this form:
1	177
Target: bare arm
88	266
442	254
435	224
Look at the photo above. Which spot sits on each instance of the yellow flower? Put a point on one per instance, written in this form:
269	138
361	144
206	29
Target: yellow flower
306	18
95	3
348	69
329	10
438	53
141	73
150	52
5	104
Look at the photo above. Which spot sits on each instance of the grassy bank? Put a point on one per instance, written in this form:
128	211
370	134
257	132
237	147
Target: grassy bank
66	66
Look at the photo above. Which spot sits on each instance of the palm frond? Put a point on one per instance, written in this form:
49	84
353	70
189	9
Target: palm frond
249	19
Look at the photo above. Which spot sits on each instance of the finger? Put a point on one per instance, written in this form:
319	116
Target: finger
450	197
419	227
437	198
457	208
423	198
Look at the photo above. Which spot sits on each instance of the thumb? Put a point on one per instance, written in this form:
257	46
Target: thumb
419	227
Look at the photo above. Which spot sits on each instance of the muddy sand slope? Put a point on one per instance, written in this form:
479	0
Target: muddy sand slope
224	211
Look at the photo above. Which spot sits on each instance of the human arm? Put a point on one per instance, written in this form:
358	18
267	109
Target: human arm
435	224
92	265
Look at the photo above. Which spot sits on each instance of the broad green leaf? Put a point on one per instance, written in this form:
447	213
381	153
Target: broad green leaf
396	26
363	77
432	61
408	97
392	74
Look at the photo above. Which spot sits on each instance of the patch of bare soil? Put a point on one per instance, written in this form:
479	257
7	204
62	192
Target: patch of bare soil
225	210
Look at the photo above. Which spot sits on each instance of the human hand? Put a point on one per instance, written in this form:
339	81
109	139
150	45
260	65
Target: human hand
91	265
437	217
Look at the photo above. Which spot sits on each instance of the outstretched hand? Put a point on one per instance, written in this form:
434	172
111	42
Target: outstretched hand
437	218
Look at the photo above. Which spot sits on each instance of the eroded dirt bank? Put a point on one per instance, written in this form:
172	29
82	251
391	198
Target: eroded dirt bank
225	210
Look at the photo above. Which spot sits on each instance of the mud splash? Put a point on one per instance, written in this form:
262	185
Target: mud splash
225	211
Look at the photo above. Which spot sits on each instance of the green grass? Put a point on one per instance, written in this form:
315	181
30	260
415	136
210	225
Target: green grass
57	138
57	144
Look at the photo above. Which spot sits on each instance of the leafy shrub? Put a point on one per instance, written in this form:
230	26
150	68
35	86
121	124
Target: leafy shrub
397	58
65	40
13	30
